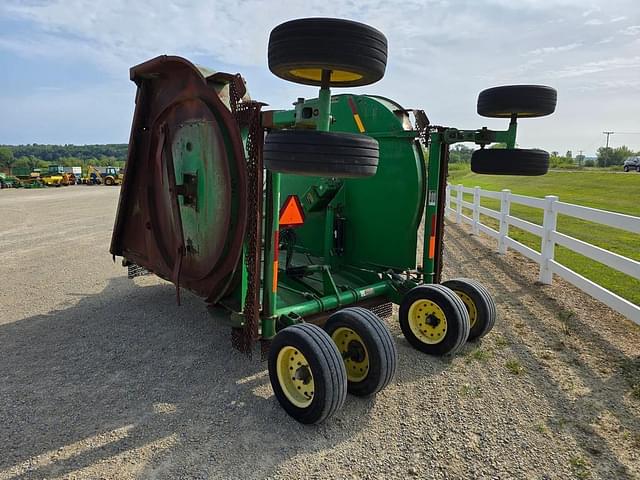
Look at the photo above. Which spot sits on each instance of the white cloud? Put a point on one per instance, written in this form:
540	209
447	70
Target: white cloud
600	66
591	11
560	48
632	30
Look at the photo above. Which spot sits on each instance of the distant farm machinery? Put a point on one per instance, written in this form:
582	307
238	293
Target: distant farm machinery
54	176
329	237
58	176
102	176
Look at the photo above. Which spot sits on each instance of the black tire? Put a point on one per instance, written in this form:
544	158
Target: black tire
527	101
626	169
323	154
479	303
638	169
513	161
455	314
374	346
325	365
109	181
300	49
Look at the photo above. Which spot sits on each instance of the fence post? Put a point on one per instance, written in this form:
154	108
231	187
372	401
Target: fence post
476	210
459	204
548	246
505	207
447	200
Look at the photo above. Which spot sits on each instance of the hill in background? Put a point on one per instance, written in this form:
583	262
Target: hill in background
39	156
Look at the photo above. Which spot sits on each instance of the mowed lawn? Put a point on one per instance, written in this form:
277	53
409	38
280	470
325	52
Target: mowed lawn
616	192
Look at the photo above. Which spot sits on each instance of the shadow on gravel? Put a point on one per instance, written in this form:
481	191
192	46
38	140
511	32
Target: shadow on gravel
554	325
129	379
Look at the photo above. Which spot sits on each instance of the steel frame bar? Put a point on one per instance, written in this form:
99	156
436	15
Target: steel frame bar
439	142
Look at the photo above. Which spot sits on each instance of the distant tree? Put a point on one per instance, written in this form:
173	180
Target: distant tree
555	153
22	161
604	155
7	160
557	161
589	163
569	154
54	153
608	156
460	154
33	162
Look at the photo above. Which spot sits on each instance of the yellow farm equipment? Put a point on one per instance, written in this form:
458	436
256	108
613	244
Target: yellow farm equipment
103	176
57	177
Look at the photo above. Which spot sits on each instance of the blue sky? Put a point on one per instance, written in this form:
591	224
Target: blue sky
64	63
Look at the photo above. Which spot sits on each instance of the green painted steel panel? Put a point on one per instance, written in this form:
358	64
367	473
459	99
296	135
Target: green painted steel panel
382	212
199	149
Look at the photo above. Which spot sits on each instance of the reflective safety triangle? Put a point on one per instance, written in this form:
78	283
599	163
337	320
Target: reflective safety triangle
291	213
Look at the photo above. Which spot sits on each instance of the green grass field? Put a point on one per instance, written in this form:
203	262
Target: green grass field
607	191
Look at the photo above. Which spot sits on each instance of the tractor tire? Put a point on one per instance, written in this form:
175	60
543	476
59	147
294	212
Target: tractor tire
321	154
299	50
626	169
638	169
527	101
514	161
307	373
367	349
434	320
480	305
109	181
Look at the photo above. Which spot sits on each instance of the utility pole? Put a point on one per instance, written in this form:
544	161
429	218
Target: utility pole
608	134
580	158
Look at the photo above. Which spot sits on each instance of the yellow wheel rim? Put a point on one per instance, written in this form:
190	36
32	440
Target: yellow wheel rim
295	377
315	74
471	306
427	321
354	353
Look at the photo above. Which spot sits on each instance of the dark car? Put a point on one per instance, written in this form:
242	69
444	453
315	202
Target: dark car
632	163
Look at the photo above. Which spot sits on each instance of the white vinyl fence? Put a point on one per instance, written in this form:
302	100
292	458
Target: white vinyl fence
550	237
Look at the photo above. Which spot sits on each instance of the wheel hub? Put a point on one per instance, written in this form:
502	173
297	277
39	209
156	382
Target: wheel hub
295	376
427	321
354	353
432	321
303	374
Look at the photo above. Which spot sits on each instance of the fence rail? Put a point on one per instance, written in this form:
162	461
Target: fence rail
550	237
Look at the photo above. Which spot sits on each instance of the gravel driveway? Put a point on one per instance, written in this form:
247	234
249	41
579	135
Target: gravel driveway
104	377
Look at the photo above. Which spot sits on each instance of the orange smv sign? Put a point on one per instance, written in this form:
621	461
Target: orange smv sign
291	213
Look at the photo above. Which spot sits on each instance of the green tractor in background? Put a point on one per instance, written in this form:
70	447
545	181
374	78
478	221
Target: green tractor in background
308	236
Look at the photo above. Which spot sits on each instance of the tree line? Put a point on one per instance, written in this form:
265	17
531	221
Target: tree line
607	157
40	156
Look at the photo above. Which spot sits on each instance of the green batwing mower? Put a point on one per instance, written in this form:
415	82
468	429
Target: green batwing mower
304	223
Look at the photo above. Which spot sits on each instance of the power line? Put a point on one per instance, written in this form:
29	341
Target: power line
609	133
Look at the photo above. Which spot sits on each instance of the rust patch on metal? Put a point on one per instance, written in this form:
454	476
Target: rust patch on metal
148	231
